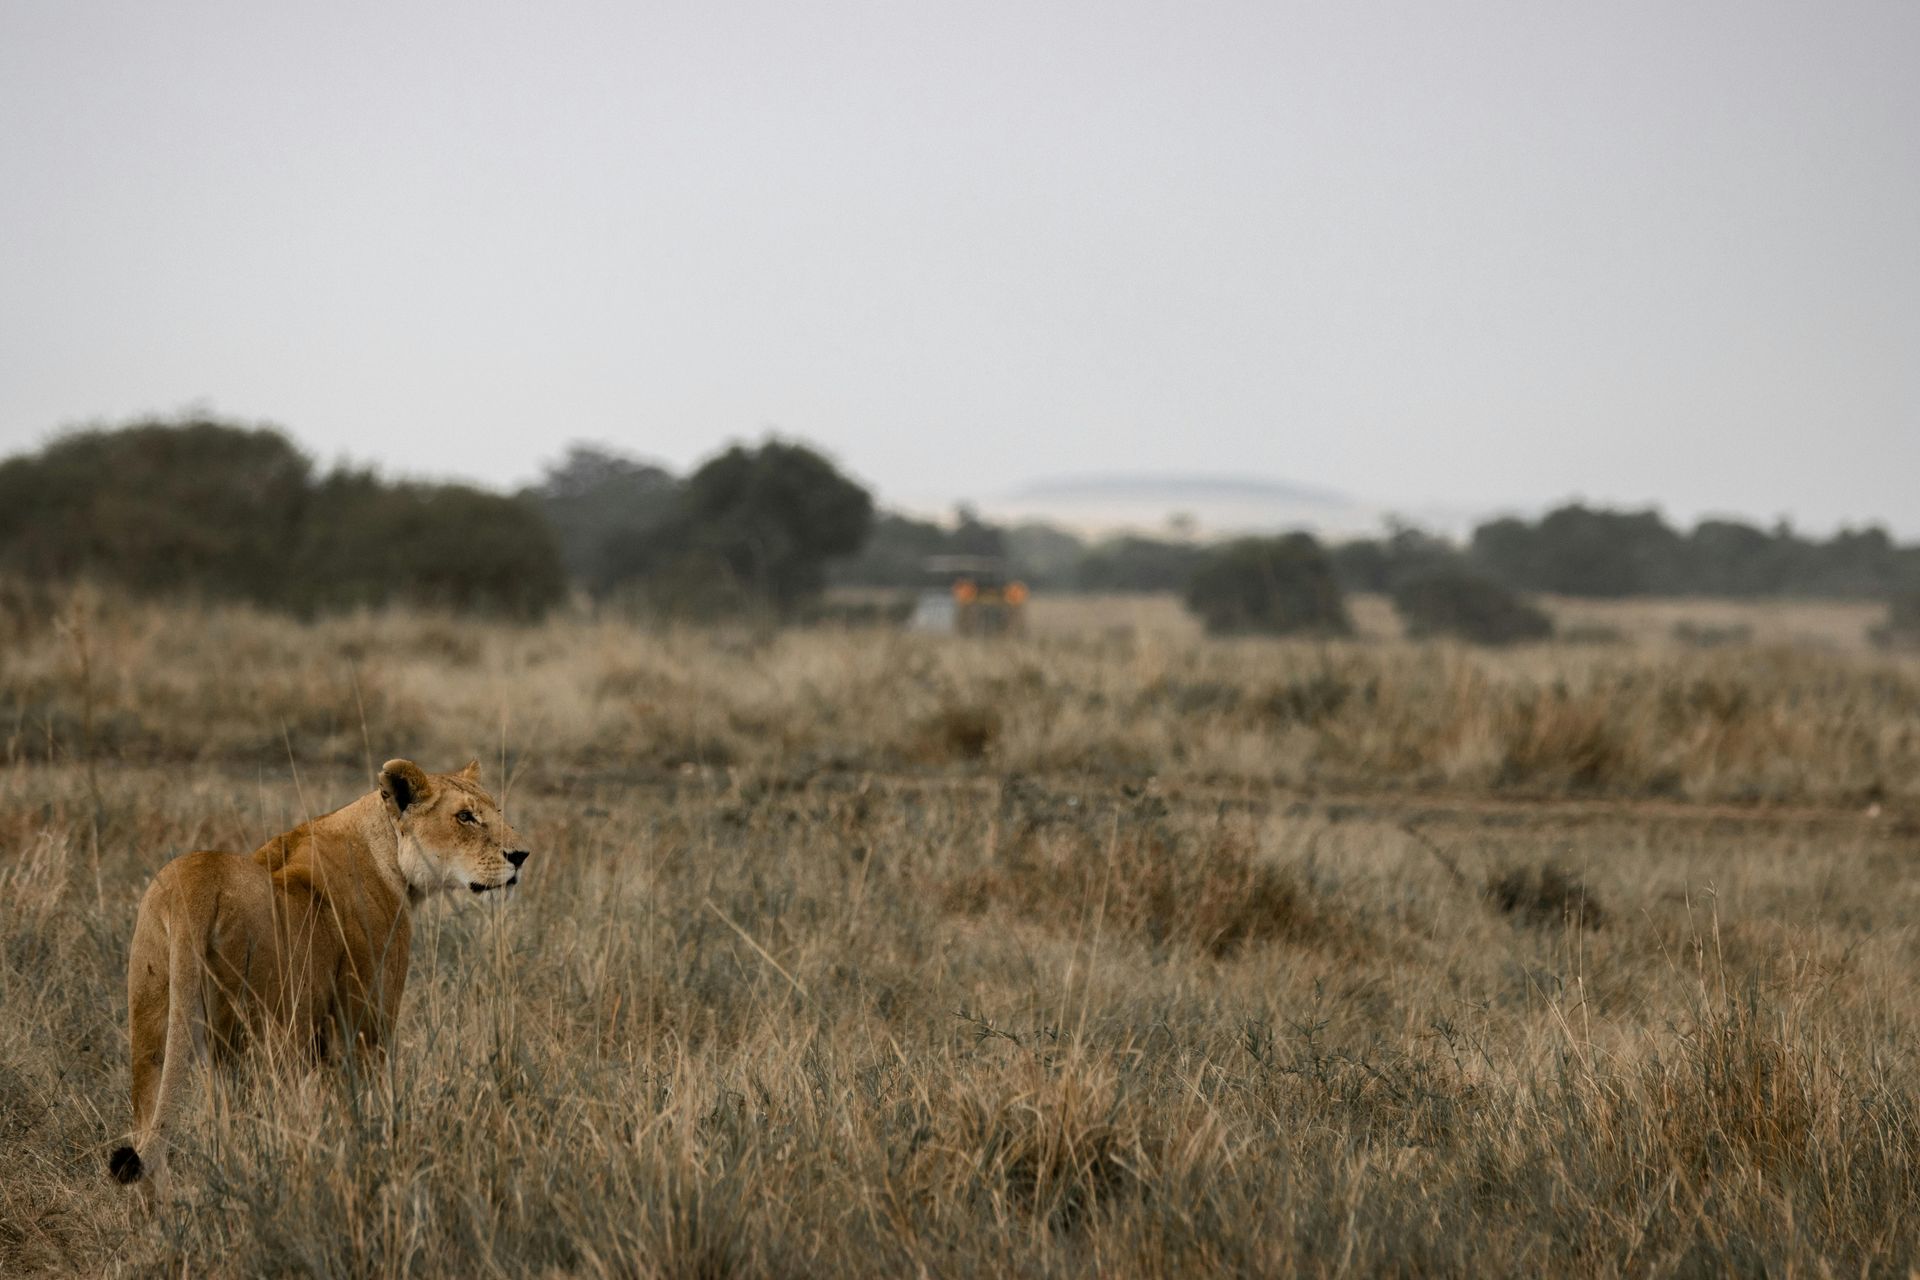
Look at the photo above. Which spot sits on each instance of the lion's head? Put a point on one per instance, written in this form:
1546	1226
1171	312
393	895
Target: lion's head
452	834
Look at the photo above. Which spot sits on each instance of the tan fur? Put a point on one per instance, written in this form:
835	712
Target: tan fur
304	943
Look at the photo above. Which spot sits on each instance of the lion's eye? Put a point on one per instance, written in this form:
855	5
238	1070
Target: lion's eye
466	815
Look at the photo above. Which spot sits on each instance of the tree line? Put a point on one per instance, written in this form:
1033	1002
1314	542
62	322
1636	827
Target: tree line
223	511
1573	550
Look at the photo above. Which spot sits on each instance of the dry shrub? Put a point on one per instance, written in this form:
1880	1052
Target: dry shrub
1711	635
1053	1138
1052	1145
1563	741
1215	895
1192	697
1312	698
1713	699
1593	633
1742	1089
1735	1143
143	682
958	731
1206	890
28	609
1316	698
1545	895
457	643
319	712
1783	955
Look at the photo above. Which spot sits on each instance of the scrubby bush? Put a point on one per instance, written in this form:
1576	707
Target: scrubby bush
369	543
1273	586
198	507
1464	605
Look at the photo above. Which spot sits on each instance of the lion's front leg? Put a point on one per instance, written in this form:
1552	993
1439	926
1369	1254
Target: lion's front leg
368	1009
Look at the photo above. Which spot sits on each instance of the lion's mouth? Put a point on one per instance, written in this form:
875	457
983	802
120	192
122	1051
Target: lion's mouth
477	887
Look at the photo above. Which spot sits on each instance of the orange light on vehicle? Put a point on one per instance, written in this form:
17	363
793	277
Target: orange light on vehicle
1016	593
964	591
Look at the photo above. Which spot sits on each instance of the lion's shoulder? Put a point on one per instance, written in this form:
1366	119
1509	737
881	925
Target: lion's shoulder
287	847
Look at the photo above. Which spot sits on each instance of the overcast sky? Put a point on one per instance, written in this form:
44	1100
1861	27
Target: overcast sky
1477	255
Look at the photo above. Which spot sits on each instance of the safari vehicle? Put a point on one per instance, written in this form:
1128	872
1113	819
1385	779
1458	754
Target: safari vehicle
969	596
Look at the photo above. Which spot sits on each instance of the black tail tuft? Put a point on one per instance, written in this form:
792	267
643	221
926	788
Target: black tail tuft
124	1165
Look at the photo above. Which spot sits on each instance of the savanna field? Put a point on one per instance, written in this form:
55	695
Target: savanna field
1107	950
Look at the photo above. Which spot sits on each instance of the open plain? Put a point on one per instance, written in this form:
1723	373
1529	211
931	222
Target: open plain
1109	950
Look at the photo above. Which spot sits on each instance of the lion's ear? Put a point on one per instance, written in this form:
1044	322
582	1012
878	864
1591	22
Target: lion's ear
403	784
472	771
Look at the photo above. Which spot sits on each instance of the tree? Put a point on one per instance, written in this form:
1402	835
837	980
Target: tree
753	527
1043	555
894	554
973	536
898	548
1131	563
1275	586
1728	557
596	499
1378	564
1580	551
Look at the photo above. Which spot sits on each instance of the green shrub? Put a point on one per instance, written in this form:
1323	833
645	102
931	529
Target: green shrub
1711	635
370	543
1901	630
1464	605
200	508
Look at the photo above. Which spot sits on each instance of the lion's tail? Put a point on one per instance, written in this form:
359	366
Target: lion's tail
186	1013
124	1165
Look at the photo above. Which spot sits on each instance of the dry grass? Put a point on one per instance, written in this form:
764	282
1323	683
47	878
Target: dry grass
1657	623
1087	954
1749	724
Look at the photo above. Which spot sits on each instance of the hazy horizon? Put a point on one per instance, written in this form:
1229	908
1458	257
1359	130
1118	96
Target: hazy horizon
1487	258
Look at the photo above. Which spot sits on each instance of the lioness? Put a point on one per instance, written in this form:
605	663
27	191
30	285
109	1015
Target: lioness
305	941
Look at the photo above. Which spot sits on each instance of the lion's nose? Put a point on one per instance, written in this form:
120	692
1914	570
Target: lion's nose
517	857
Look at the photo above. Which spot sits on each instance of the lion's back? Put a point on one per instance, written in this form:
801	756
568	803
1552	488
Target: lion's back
222	902
207	879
